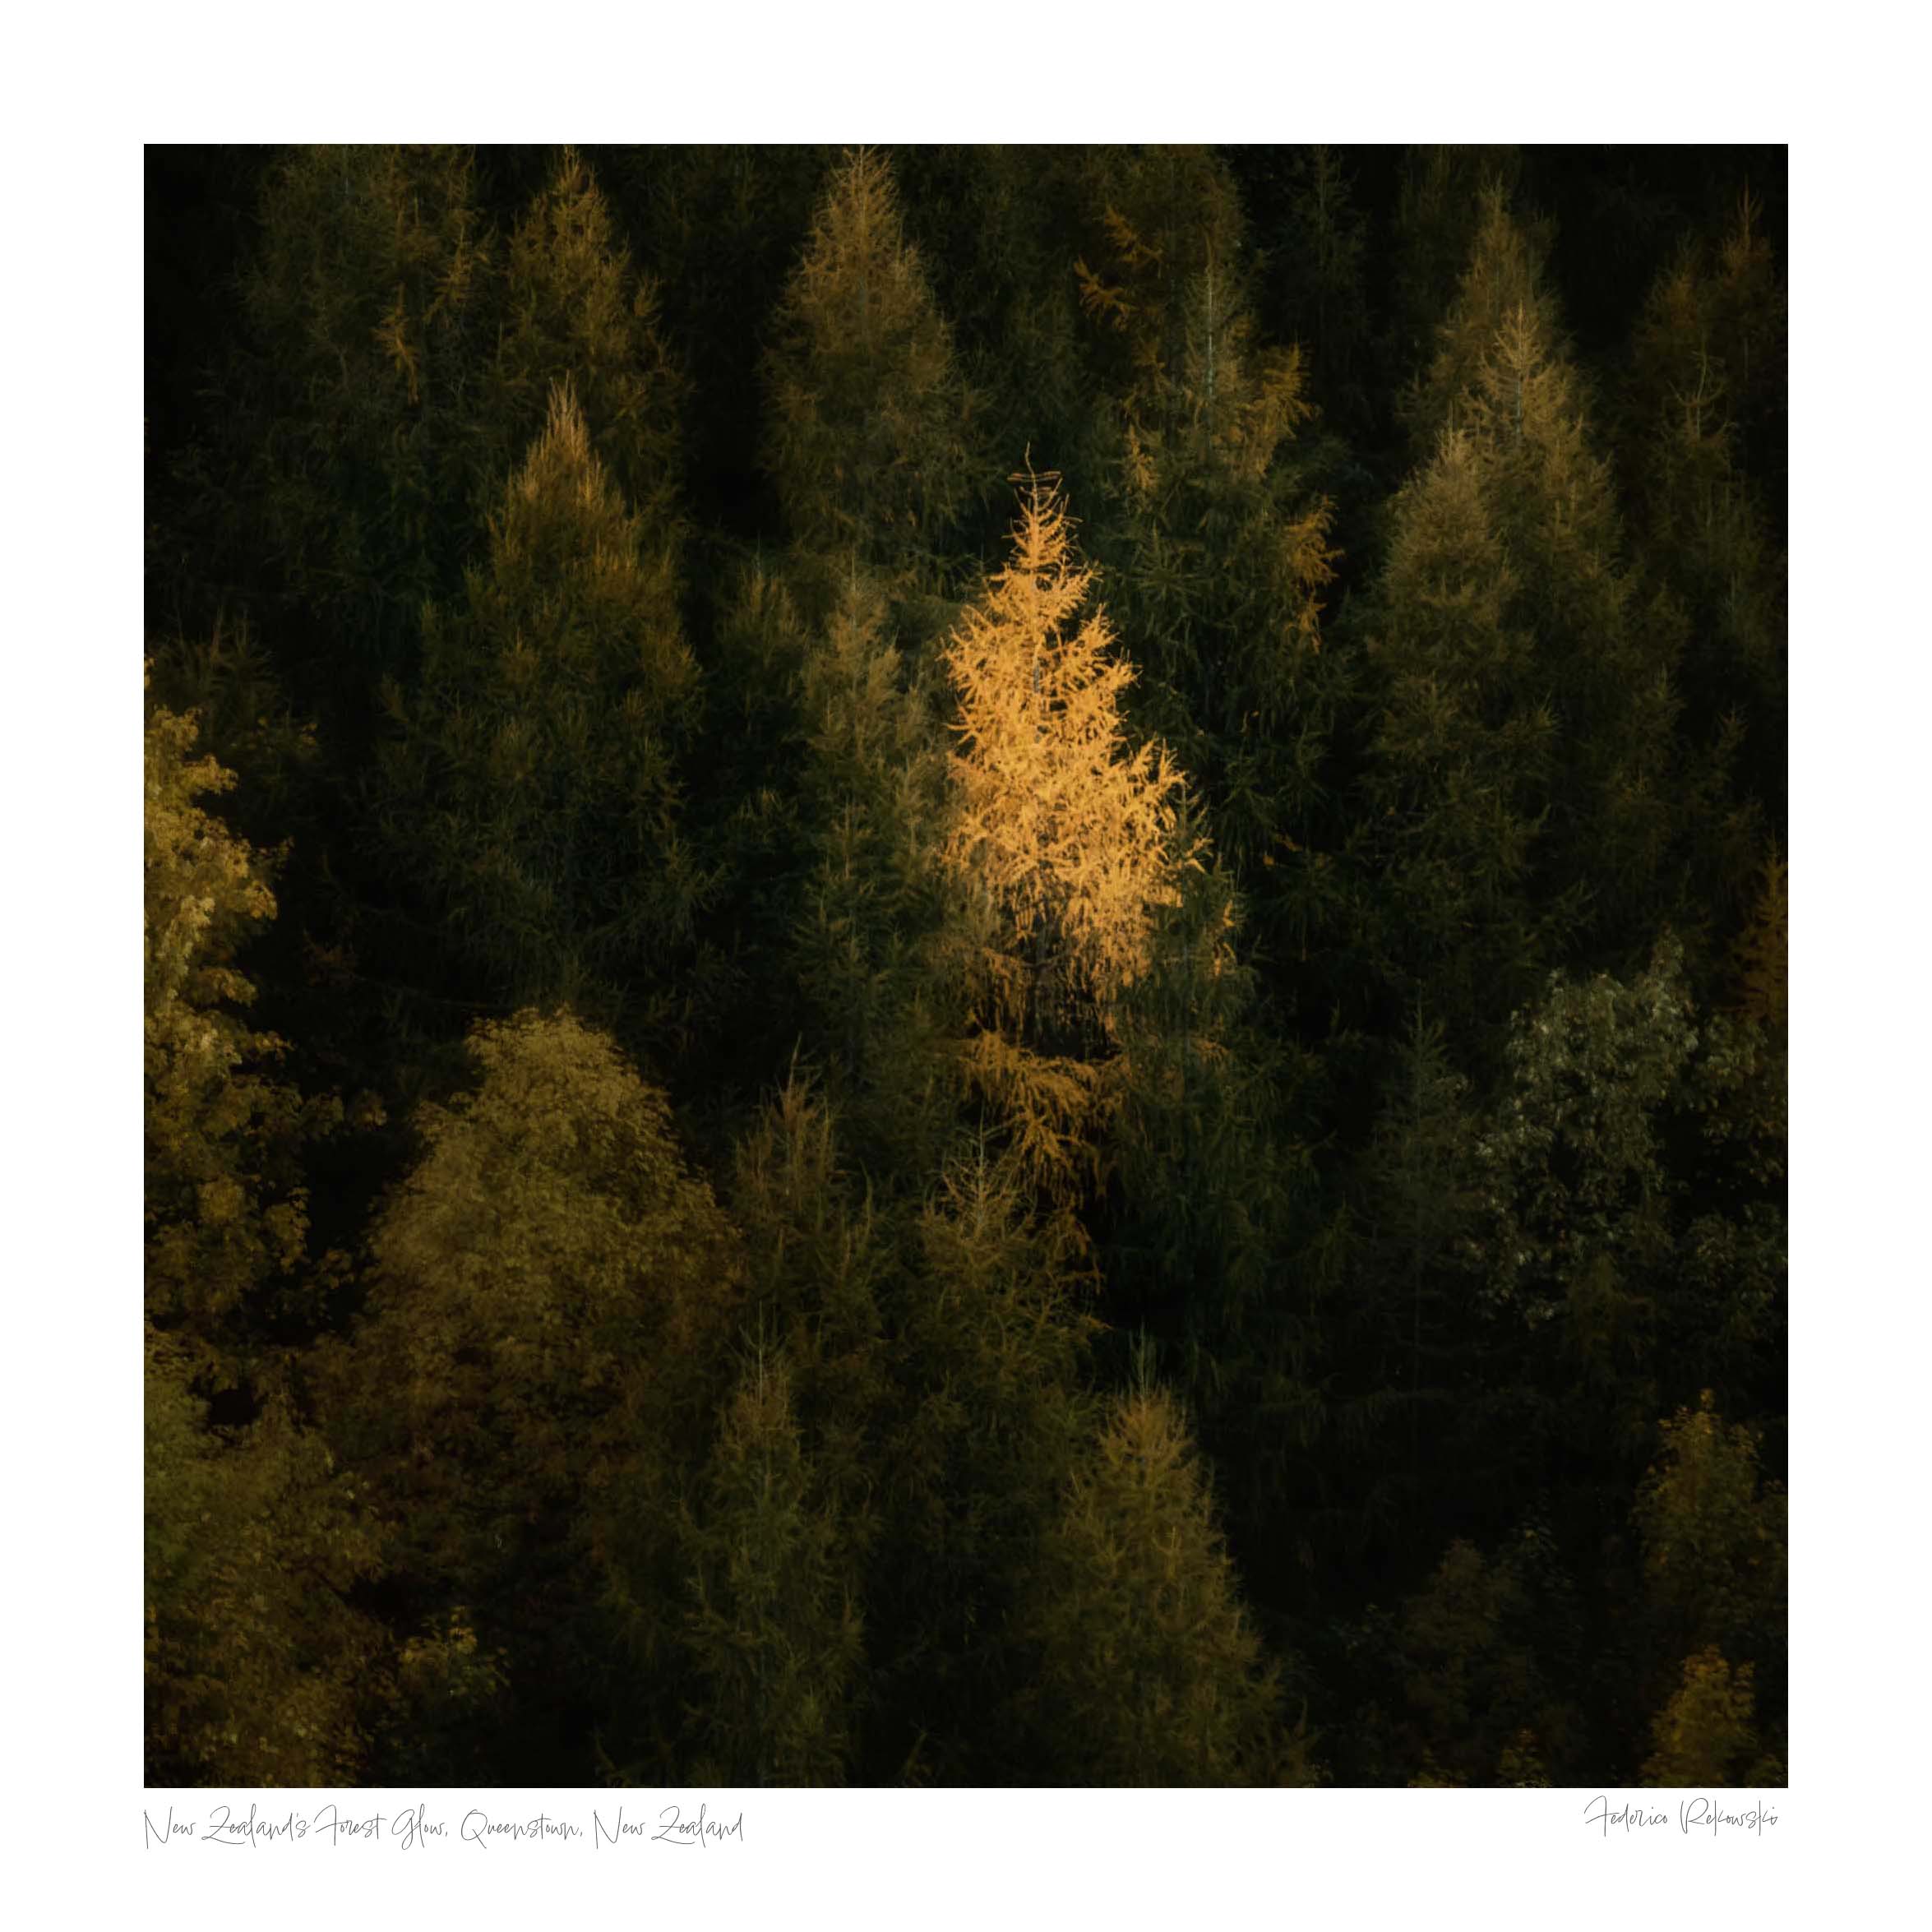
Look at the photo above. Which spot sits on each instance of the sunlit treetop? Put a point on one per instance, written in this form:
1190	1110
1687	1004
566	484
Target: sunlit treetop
1065	823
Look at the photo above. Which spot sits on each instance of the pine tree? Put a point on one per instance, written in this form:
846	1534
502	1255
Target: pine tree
772	1631
1695	420
868	439
532	786
1463	759
989	1343
1591	668
1064	836
1150	1672
1216	542
873	917
577	312
351	468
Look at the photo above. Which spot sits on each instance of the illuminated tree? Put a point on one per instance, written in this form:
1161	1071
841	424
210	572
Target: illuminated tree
868	438
1064	836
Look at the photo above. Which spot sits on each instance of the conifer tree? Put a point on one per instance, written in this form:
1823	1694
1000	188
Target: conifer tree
820	1265
1150	1672
1532	543
868	439
1462	757
532	783
1064	837
774	1630
988	1341
353	469
1217	544
1444	196
1480	1709
1694	421
1319	274
873	917
576	312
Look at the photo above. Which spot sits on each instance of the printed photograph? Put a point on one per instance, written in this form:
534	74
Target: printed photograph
965	966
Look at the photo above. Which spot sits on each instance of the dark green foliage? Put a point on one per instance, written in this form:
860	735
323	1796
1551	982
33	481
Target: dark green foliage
533	775
858	981
1149	1671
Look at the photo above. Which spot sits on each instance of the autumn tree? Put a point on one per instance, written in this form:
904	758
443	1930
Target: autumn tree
868	437
257	1669
1064	838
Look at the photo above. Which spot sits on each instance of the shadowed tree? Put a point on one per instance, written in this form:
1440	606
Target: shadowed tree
867	437
577	312
225	1202
774	1629
1150	1672
531	786
554	1297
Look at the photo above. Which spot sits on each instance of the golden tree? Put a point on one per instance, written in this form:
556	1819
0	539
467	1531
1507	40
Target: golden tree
1065	833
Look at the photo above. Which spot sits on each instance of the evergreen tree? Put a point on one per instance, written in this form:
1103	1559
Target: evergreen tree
1150	1672
353	471
1462	758
577	312
868	439
532	783
988	1342
774	1631
1694	420
1217	544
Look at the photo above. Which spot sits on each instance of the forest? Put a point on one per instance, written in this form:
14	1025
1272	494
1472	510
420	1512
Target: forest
965	966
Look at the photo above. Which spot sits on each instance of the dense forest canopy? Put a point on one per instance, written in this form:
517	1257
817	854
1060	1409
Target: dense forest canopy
965	966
